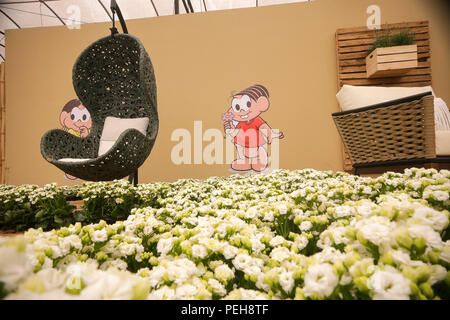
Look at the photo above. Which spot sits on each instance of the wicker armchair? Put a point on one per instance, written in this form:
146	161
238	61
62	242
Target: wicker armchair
395	133
112	77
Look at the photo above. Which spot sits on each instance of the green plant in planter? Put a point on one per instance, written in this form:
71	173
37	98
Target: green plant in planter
402	38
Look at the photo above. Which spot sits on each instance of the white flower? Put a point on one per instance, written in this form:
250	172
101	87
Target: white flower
282	209
109	285
99	236
342	211
210	243
376	229
306	225
127	249
229	252
223	273
287	281
217	287
147	230
280	254
163	293
432	238
320	279
13	266
252	270
164	245
364	210
440	195
257	245
445	254
199	251
251	213
268	216
301	242
241	261
186	291
438	273
389	285
276	241
436	219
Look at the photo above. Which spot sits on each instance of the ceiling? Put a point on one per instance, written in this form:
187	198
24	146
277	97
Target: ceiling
37	13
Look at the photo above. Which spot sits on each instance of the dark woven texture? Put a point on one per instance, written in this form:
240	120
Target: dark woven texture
112	77
392	132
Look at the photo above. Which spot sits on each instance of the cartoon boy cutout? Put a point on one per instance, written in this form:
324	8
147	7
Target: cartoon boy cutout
76	120
249	131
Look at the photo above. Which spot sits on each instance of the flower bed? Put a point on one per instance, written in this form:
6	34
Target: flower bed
300	234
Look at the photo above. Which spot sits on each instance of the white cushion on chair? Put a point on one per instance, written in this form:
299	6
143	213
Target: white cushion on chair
114	127
352	97
443	143
441	115
72	160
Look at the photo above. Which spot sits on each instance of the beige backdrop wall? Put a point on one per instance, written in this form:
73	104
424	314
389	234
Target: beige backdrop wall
199	60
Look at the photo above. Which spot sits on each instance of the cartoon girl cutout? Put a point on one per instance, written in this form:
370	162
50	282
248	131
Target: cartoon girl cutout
76	120
249	131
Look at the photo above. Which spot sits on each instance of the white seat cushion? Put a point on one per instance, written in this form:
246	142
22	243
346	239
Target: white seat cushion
72	160
114	127
443	143
352	97
441	115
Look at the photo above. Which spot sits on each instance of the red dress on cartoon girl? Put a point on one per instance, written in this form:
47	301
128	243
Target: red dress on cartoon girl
251	132
75	119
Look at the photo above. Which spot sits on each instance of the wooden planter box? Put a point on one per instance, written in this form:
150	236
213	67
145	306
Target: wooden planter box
391	61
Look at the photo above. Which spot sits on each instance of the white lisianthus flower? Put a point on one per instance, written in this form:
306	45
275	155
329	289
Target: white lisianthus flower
211	244
223	273
364	210
268	216
164	245
320	279
257	245
432	238
199	251
252	270
376	229
282	209
186	291
438	273
99	236
342	211
110	285
163	293
276	241
229	252
13	266
400	256
440	195
306	225
251	213
436	219
301	242
148	230
445	253
280	254
217	287
389	285
287	281
242	261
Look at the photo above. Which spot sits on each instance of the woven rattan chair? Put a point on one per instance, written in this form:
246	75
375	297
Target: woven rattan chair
395	133
112	77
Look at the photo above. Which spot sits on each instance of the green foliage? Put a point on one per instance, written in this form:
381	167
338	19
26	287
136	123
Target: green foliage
401	38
